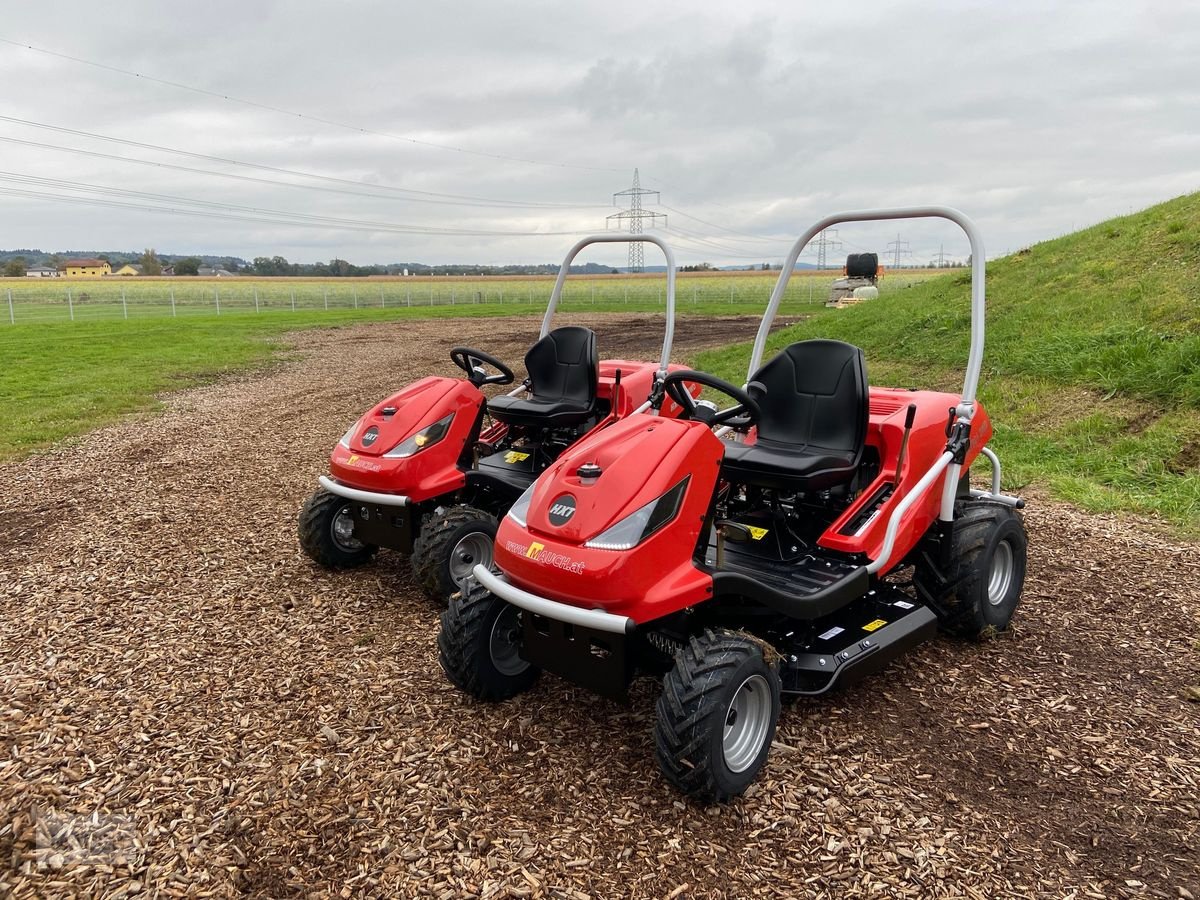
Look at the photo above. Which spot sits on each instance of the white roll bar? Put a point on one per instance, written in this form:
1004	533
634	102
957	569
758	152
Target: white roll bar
556	294
966	408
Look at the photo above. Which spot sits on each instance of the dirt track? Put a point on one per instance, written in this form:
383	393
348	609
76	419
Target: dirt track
247	723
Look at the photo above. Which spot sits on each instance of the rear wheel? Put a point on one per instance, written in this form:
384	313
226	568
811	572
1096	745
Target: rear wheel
479	646
716	716
451	543
326	530
977	592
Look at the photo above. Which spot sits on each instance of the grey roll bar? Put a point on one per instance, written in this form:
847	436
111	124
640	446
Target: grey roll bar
556	294
966	407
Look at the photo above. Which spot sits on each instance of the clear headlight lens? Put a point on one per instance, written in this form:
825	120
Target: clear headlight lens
345	441
638	526
519	510
426	437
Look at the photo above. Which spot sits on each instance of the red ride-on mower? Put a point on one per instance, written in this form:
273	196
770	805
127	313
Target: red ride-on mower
428	470
743	570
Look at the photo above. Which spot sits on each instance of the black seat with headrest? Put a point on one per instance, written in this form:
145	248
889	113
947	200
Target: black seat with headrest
564	370
814	419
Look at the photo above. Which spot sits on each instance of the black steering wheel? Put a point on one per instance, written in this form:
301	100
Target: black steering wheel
742	415
466	357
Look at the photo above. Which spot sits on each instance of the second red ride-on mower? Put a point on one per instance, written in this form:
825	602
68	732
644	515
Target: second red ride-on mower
428	470
743	570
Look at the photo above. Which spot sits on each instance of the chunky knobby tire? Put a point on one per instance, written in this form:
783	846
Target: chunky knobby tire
433	556
320	540
697	706
971	595
477	646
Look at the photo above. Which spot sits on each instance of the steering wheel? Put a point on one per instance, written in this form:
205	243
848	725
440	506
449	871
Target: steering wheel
465	357
745	413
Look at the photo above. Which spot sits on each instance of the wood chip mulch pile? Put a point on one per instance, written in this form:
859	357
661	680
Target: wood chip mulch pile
189	707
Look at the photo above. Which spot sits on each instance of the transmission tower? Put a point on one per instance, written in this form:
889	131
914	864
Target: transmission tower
941	255
898	249
635	215
826	240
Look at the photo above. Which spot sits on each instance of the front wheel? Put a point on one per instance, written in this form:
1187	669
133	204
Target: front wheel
716	716
326	531
479	646
977	591
451	543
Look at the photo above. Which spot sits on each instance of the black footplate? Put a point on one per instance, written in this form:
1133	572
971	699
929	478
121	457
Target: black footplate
807	586
596	660
509	472
856	641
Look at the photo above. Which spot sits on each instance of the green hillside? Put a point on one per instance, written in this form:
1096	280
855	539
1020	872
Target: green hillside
1092	365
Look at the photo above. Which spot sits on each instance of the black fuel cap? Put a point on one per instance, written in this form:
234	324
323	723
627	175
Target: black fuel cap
589	471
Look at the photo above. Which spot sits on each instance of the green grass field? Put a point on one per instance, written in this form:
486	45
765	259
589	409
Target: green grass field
1092	365
61	377
44	301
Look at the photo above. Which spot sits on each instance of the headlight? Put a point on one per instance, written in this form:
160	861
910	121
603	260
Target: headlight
345	441
519	510
426	437
638	526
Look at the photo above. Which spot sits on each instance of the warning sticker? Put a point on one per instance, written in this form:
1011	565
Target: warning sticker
830	634
514	456
756	533
874	626
904	604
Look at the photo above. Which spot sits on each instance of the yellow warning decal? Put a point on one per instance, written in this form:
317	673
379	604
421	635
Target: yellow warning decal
873	626
534	549
756	533
514	456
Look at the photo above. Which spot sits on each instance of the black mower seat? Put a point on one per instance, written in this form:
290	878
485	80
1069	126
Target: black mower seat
564	370
814	420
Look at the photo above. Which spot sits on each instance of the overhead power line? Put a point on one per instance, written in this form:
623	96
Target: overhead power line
463	199
282	219
299	115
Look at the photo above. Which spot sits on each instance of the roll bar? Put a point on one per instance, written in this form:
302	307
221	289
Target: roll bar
974	359
966	407
556	294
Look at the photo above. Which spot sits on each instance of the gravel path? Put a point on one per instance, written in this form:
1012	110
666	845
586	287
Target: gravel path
189	707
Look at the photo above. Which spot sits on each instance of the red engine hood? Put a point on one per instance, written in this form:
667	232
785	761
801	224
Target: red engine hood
421	403
640	459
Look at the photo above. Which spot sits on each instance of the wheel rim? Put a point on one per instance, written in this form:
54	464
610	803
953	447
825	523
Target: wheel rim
472	550
505	642
341	530
1001	575
747	721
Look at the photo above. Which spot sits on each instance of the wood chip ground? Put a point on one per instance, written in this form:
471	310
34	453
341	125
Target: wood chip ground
189	707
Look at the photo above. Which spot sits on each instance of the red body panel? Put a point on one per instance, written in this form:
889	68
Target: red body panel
431	472
434	471
885	431
643	457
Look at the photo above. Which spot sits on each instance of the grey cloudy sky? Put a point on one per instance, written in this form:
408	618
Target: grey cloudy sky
752	119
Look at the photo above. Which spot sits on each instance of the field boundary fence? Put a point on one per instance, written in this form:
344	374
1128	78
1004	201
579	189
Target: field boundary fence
72	301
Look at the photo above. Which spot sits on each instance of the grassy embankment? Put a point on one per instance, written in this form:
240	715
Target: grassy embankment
1092	366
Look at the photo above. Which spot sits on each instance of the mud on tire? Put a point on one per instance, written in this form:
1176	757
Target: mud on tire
318	530
977	592
479	643
433	557
718	677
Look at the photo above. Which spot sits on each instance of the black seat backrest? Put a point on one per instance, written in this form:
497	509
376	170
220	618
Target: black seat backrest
816	396
564	366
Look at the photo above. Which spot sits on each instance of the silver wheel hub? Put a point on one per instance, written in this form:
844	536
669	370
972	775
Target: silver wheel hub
747	723
1000	575
472	550
505	643
341	529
